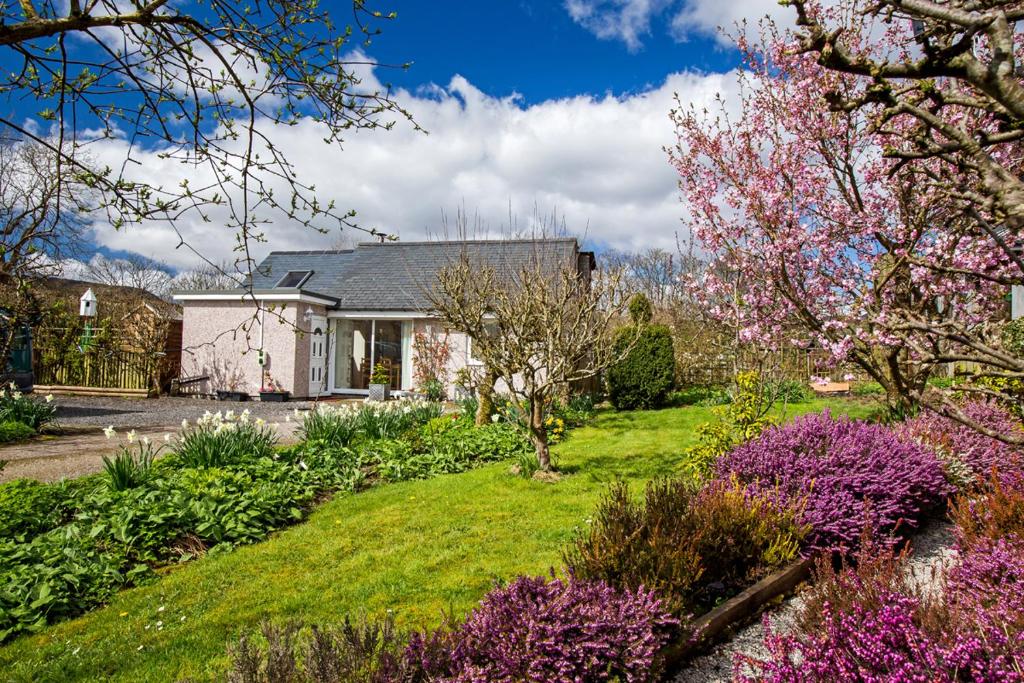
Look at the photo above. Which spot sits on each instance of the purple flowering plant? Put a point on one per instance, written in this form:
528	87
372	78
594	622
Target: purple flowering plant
841	474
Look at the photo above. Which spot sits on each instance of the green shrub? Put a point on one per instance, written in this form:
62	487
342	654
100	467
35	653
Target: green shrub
17	407
640	310
743	419
30	507
693	547
1013	336
446	446
867	389
789	391
434	391
11	431
699	396
574	411
643	378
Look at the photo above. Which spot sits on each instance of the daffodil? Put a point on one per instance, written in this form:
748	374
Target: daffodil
48	398
109	432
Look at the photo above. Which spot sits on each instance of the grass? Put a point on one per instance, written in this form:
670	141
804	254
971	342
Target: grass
416	548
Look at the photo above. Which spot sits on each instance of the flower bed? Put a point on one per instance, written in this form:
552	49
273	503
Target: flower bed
66	548
842	475
873	622
968	456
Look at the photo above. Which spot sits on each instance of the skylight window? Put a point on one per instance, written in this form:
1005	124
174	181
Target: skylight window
294	278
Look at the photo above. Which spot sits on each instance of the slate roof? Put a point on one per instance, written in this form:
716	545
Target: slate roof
397	276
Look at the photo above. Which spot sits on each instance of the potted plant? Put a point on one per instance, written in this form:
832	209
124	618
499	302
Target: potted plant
232	393
380	383
272	391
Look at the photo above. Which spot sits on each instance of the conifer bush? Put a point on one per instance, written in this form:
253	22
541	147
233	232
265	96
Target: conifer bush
645	375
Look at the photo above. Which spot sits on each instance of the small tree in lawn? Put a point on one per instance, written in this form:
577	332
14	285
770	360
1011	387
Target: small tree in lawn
539	325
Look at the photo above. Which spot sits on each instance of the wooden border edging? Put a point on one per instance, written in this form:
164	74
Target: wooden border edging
62	390
711	624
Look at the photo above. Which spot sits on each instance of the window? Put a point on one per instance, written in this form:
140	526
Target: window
470	360
490	329
294	278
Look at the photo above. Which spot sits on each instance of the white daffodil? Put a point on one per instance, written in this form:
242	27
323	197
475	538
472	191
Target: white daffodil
184	424
167	437
145	440
109	432
260	422
230	415
48	398
287	418
131	436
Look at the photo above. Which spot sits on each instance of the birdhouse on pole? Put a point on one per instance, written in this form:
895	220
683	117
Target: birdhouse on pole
87	304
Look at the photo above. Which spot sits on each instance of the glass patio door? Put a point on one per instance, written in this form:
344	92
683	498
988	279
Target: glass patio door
362	344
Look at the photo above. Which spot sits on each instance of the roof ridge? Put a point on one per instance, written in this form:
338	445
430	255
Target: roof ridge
520	240
315	251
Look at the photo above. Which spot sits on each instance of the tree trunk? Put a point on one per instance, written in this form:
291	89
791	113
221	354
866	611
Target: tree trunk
539	435
485	398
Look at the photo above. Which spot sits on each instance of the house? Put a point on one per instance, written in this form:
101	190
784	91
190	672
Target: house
316	323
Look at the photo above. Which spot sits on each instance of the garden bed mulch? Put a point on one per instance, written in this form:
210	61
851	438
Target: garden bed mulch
930	551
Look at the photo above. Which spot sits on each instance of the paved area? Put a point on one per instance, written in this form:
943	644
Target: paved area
78	445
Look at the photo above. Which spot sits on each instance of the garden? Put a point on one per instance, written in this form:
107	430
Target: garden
410	541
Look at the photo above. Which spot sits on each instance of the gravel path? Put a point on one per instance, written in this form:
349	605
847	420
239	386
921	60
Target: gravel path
930	550
80	449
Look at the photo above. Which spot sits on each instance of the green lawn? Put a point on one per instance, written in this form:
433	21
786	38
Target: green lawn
416	548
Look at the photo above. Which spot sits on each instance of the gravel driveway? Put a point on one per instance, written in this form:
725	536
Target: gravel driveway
79	450
930	551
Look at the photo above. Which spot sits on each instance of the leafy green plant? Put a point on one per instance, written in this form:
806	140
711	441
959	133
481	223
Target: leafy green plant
433	389
468	406
17	407
29	507
329	425
789	391
698	395
380	374
526	465
131	466
11	431
867	389
1013	336
220	439
741	420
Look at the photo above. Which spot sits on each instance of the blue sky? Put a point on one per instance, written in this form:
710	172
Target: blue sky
557	107
533	48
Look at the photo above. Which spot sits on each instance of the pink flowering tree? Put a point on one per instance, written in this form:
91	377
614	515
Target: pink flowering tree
816	236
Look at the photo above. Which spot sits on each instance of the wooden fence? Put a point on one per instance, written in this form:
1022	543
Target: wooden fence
101	368
793	364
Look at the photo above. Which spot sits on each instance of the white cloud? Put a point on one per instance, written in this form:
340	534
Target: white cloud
631	20
597	161
625	20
